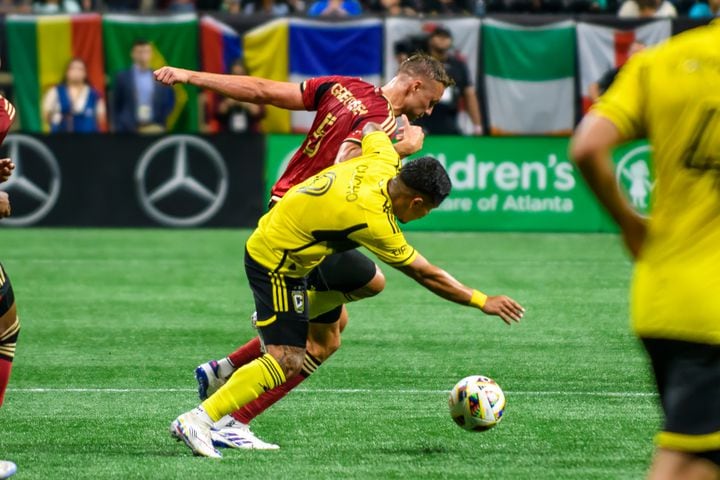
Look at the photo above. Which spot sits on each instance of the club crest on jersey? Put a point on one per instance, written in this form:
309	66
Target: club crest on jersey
298	297
319	185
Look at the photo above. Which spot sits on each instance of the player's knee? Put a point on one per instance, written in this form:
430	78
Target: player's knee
332	343
373	287
377	284
342	321
289	358
324	340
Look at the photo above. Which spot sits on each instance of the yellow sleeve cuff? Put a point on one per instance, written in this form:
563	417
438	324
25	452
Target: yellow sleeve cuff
478	299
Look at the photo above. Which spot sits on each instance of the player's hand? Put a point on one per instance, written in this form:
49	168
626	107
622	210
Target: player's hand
4	205
171	75
6	168
504	307
410	138
634	231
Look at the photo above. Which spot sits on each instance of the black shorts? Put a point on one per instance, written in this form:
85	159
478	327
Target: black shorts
343	272
7	297
688	380
280	303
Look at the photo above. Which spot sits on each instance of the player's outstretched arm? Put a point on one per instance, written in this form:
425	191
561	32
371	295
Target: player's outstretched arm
445	285
239	87
590	149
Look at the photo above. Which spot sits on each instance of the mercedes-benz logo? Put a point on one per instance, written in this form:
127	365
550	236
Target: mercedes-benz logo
184	148
33	160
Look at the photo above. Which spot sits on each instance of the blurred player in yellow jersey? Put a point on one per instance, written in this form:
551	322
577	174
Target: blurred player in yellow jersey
351	204
671	95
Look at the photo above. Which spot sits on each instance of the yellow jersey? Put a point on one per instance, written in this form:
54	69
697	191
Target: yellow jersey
340	208
671	94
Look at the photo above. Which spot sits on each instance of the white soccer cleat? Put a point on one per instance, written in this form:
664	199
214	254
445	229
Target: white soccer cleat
7	469
229	433
195	432
208	379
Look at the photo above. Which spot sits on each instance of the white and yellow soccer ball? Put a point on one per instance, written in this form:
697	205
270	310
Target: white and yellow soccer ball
477	403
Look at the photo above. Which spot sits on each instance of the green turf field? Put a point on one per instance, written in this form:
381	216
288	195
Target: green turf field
114	322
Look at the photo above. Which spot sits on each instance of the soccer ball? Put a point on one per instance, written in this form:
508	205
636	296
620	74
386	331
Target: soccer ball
477	403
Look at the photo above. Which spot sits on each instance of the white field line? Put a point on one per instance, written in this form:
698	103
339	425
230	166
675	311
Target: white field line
528	393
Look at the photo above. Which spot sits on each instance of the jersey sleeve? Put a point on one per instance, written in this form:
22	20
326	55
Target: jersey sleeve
313	90
378	144
623	103
385	240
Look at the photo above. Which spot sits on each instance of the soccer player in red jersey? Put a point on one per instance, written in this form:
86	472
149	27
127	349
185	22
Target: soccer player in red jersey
343	106
9	321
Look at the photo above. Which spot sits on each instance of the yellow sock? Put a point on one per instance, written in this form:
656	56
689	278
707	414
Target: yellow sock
246	384
323	302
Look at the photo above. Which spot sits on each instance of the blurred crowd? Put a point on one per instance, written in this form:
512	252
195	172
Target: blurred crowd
137	103
343	8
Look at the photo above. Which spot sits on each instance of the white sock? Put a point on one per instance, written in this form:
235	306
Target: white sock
224	422
203	416
225	368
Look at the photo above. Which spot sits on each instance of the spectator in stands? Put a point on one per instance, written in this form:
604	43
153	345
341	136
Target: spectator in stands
181	6
335	8
49	7
266	7
121	5
444	118
16	6
139	103
231	6
705	10
74	106
234	116
394	7
598	88
647	8
448	7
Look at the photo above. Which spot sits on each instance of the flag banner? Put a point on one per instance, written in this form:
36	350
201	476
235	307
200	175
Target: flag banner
220	48
350	48
297	49
602	48
220	45
529	77
265	51
175	42
40	49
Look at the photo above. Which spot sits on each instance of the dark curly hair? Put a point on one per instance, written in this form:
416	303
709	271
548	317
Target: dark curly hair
422	64
427	176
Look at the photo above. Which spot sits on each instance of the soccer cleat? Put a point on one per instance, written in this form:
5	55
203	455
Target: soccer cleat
208	379
190	428
7	469
238	435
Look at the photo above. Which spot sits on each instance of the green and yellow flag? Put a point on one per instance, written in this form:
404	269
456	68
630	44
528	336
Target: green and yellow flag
175	42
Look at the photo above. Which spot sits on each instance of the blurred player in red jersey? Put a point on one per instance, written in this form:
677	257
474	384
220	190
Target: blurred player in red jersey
9	321
344	105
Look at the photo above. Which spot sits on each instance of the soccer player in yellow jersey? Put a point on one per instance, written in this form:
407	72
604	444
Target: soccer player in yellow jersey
671	95
355	203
